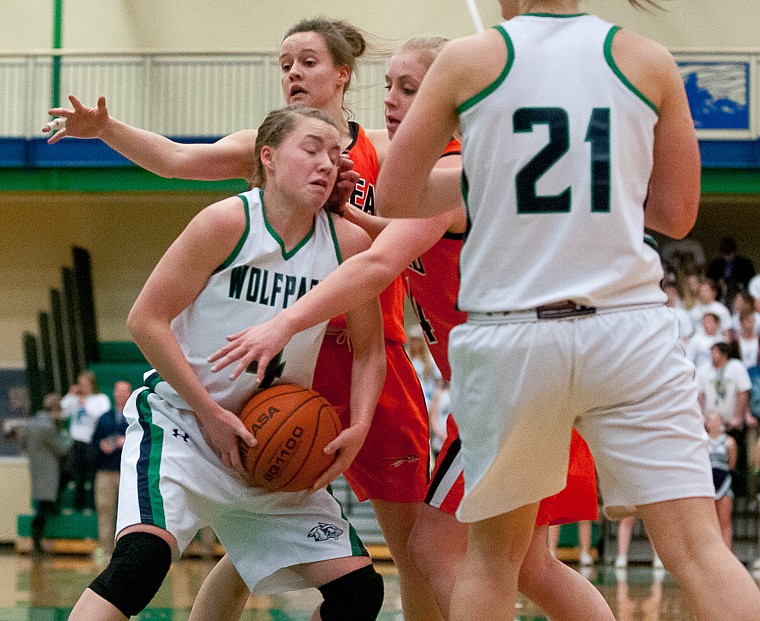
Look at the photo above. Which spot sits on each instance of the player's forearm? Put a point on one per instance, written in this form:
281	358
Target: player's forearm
149	150
367	379
373	225
365	329
358	280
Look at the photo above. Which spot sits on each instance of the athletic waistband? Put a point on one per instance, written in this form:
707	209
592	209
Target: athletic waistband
566	309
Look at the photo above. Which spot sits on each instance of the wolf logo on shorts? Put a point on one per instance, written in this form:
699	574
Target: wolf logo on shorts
325	531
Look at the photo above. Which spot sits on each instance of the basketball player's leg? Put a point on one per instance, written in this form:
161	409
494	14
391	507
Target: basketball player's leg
724	508
396	520
437	545
486	583
563	593
686	535
351	588
222	595
138	566
391	470
652	458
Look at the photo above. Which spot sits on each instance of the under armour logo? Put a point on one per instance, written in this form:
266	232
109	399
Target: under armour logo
176	433
325	531
398	461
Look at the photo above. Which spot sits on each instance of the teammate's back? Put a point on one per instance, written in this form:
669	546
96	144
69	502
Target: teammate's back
575	142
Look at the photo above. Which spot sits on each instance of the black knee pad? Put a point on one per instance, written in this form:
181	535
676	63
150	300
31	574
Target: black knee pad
138	566
357	596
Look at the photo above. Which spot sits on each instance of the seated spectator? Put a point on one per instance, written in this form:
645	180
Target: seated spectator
685	324
744	303
731	271
107	442
44	445
83	406
680	253
707	303
747	338
699	346
723	453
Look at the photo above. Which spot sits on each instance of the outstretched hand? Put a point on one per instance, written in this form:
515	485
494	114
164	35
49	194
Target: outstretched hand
347	445
80	122
259	343
344	185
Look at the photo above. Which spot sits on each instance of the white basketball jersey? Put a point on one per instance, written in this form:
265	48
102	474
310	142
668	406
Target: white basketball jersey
256	282
557	158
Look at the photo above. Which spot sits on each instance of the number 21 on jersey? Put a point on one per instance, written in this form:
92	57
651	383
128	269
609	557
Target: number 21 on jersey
597	134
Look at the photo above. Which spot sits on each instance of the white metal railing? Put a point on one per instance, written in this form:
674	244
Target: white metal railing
216	93
176	94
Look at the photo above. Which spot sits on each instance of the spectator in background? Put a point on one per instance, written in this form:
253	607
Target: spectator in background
688	288
685	324
731	271
683	254
624	536
744	302
44	445
82	406
724	388
699	346
707	302
585	558
723	455
747	338
107	441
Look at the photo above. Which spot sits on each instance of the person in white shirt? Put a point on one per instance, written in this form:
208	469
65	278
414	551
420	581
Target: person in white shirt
83	406
707	302
747	337
724	388
698	347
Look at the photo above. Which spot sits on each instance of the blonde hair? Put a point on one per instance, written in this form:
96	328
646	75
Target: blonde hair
426	47
277	126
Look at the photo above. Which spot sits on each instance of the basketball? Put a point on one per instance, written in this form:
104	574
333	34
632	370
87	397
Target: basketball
292	425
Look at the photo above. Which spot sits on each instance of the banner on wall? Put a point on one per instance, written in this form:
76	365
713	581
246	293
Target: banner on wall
720	96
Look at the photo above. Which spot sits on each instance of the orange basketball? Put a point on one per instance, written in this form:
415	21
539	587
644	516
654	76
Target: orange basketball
292	425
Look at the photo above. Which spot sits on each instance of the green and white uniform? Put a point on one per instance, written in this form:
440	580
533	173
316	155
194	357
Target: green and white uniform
170	476
557	155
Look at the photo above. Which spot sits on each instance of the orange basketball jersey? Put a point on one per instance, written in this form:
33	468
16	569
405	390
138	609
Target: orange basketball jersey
432	283
363	155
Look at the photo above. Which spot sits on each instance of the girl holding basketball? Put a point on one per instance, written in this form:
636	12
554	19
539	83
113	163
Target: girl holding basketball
427	251
181	466
317	60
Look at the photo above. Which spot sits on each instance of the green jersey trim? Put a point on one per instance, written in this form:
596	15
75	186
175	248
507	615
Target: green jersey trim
334	237
239	246
616	70
149	466
563	16
357	546
469	103
285	254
